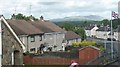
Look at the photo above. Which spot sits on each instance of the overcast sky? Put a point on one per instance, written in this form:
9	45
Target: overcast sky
58	8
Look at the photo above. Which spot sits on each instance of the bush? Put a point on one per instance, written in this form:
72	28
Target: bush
76	44
84	43
102	49
87	43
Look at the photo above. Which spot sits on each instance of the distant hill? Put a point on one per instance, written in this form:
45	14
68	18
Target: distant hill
79	18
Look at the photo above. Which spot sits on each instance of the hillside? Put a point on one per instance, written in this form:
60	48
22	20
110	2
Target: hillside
79	18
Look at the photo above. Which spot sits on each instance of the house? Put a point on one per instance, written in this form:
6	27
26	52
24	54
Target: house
103	32
71	37
11	47
39	34
28	34
53	34
117	33
91	31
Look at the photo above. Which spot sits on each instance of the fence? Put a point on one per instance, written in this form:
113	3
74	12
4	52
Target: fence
104	59
28	60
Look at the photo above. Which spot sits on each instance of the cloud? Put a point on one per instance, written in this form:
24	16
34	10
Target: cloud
48	3
58	8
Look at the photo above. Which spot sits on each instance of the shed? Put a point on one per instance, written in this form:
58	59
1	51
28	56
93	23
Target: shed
89	53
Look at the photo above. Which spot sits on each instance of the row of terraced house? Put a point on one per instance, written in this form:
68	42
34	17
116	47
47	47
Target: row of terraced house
20	36
42	34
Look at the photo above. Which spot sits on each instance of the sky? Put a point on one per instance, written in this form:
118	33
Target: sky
51	9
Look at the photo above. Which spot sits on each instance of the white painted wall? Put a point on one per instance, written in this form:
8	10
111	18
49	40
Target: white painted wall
88	32
116	35
54	39
93	31
29	45
102	34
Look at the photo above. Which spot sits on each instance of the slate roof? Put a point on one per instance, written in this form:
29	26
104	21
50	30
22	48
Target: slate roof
22	27
111	33
89	28
71	35
46	26
103	29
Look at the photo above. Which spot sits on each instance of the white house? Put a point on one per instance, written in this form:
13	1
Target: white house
117	33
103	32
91	31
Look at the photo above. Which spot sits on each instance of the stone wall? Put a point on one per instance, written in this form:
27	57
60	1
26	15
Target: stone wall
9	45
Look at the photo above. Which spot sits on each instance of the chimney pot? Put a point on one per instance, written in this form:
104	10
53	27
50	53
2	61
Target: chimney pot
13	17
42	18
31	18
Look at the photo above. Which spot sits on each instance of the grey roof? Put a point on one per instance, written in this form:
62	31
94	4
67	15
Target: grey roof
22	27
103	29
71	35
41	27
46	26
110	33
1	15
89	27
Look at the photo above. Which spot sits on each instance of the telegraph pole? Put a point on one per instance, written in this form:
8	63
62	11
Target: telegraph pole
119	46
111	39
105	45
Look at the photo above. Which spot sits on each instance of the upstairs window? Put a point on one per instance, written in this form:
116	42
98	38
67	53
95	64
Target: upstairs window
32	38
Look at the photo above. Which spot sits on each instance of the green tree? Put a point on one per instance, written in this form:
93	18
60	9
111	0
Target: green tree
81	32
19	16
68	26
71	27
23	17
116	22
105	22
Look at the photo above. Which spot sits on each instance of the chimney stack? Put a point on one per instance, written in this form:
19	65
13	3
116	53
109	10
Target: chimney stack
41	18
13	17
31	18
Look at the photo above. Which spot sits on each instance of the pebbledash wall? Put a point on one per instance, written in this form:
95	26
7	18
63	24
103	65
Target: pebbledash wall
11	49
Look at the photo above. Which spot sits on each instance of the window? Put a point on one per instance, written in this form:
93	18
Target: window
40	37
32	49
32	39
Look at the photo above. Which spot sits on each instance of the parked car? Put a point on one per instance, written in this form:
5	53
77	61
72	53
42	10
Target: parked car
109	39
